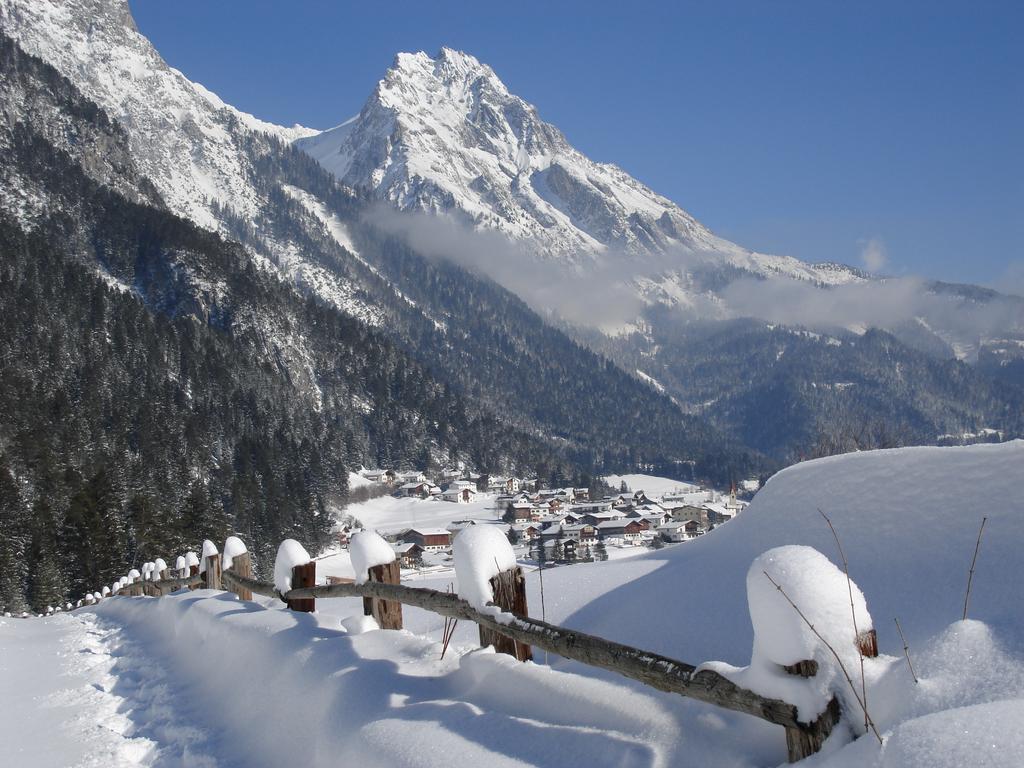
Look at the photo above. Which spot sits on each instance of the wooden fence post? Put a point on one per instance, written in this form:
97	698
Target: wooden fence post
387	613
304	576
193	570
509	589
213	572
241	565
805	740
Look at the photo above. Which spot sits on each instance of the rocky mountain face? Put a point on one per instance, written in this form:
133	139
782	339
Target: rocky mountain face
444	135
239	177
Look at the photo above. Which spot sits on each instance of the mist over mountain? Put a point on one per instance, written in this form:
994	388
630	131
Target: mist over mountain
493	188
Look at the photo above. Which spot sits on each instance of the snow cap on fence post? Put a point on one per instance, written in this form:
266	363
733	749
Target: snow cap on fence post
233	547
159	566
368	549
209	548
105	591
97	596
481	553
181	565
289	554
133	576
820	589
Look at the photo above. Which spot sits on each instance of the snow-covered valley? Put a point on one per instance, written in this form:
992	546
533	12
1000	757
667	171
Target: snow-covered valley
199	676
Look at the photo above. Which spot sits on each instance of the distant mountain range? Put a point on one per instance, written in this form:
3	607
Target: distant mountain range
621	333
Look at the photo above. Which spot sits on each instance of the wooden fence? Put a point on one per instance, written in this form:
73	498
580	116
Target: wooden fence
510	630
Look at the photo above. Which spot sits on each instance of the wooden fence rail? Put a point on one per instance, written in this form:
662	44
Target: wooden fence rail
508	622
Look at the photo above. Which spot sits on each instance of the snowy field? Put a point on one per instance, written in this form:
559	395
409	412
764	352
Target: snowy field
390	514
651	484
202	679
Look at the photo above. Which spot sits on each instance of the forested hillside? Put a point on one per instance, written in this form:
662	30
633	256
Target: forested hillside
157	388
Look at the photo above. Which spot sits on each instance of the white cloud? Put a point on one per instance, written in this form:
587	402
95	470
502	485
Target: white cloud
873	254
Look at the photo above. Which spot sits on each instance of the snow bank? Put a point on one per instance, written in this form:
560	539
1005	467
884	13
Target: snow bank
281	688
481	553
289	554
233	547
908	519
368	549
209	549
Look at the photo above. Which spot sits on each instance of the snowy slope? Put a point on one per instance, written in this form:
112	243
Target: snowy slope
908	519
444	135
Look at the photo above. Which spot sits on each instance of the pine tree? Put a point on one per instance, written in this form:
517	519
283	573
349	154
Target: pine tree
46	581
13	543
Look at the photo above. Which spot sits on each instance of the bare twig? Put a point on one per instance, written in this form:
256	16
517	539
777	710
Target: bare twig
450	622
970	575
828	645
906	650
543	613
853	615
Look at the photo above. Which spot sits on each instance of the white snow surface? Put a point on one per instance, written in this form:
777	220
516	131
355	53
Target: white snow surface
368	549
652	485
289	554
481	553
908	522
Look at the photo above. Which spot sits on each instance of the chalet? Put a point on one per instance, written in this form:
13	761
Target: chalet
692	498
717	513
686	512
498	484
551	532
681	530
583	533
627	530
592	506
418	490
581	494
383	476
595	518
429	539
526	532
521	511
412	476
460	494
408	554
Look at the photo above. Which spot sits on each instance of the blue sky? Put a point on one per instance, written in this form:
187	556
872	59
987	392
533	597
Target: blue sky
804	128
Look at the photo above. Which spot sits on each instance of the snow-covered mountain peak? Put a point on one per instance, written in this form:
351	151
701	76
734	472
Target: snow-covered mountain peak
185	137
443	134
